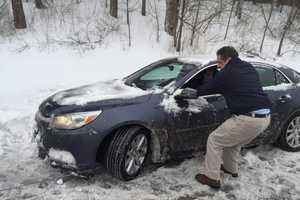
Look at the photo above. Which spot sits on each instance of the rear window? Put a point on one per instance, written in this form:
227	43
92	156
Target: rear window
293	75
266	76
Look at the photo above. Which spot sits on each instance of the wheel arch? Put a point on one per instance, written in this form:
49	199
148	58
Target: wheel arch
155	144
283	123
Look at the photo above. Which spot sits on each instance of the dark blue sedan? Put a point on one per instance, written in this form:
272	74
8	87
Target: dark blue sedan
121	123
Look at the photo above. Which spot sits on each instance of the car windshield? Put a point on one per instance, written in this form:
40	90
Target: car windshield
159	75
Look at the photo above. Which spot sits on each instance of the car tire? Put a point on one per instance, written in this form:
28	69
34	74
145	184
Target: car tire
127	152
289	134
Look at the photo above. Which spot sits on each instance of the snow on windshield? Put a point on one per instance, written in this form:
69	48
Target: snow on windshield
194	105
98	91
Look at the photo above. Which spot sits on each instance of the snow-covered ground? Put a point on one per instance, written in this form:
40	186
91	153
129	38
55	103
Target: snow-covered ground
27	78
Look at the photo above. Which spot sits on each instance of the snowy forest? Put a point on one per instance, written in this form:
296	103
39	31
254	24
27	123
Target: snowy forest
50	46
259	26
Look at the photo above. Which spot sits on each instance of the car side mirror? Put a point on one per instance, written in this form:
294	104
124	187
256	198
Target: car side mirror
188	93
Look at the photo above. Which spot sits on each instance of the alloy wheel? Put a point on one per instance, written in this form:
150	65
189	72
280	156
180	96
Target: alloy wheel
136	154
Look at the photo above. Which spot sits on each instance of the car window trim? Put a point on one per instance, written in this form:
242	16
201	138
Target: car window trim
212	95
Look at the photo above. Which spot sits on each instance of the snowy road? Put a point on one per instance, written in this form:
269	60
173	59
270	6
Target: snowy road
266	172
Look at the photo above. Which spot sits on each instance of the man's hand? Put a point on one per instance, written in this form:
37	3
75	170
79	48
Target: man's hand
188	93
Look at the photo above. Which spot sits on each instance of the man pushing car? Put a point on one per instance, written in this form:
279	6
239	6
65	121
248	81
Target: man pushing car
239	83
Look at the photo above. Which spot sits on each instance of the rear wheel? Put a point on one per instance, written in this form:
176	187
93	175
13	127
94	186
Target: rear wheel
290	136
127	152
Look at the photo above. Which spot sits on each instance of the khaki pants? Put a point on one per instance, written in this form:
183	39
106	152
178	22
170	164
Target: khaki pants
226	141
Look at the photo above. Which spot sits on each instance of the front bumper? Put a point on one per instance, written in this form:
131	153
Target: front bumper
71	149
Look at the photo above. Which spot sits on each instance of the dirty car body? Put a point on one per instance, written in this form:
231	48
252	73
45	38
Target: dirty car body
76	127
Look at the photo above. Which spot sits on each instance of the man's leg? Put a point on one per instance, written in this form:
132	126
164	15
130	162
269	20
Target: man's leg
231	157
213	158
235	131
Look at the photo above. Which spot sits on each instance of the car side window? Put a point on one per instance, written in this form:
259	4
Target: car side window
266	76
201	78
280	78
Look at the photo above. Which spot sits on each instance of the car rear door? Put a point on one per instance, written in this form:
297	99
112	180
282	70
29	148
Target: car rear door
279	89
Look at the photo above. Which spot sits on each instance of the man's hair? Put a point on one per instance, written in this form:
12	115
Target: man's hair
227	52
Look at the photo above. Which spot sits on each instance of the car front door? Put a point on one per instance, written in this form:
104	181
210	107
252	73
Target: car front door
194	120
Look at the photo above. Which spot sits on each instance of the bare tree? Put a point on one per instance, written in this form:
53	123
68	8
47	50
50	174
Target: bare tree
144	7
39	4
182	14
267	25
239	9
128	22
114	8
195	23
230	15
18	12
291	17
171	19
155	14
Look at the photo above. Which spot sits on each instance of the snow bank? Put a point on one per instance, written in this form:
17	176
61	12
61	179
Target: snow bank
27	78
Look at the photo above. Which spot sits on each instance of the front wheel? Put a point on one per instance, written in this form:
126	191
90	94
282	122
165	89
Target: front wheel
290	136
127	152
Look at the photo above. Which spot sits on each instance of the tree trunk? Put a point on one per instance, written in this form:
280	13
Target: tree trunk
195	23
266	27
18	12
178	48
39	4
171	19
292	15
231	11
128	23
114	8
157	21
239	9
144	7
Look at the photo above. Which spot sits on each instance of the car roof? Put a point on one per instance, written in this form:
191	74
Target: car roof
202	61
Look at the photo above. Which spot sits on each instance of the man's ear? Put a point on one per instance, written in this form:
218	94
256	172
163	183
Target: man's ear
228	60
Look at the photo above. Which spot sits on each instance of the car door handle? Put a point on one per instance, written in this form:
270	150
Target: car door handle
284	98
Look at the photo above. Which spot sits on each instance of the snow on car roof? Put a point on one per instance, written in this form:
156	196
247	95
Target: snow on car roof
203	60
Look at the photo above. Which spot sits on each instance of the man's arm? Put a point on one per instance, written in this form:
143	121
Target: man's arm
213	86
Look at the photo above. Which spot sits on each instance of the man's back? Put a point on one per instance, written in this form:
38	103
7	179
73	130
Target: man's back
241	87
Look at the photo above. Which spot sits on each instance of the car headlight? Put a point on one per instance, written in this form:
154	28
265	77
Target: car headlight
74	120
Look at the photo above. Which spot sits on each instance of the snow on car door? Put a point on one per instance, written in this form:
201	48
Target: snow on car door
194	120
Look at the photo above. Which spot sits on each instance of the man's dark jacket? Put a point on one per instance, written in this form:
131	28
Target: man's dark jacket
239	83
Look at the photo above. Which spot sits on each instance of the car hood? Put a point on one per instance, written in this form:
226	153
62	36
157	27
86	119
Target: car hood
93	97
108	91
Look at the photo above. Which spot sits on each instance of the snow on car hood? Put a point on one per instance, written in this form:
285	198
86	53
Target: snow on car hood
113	89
